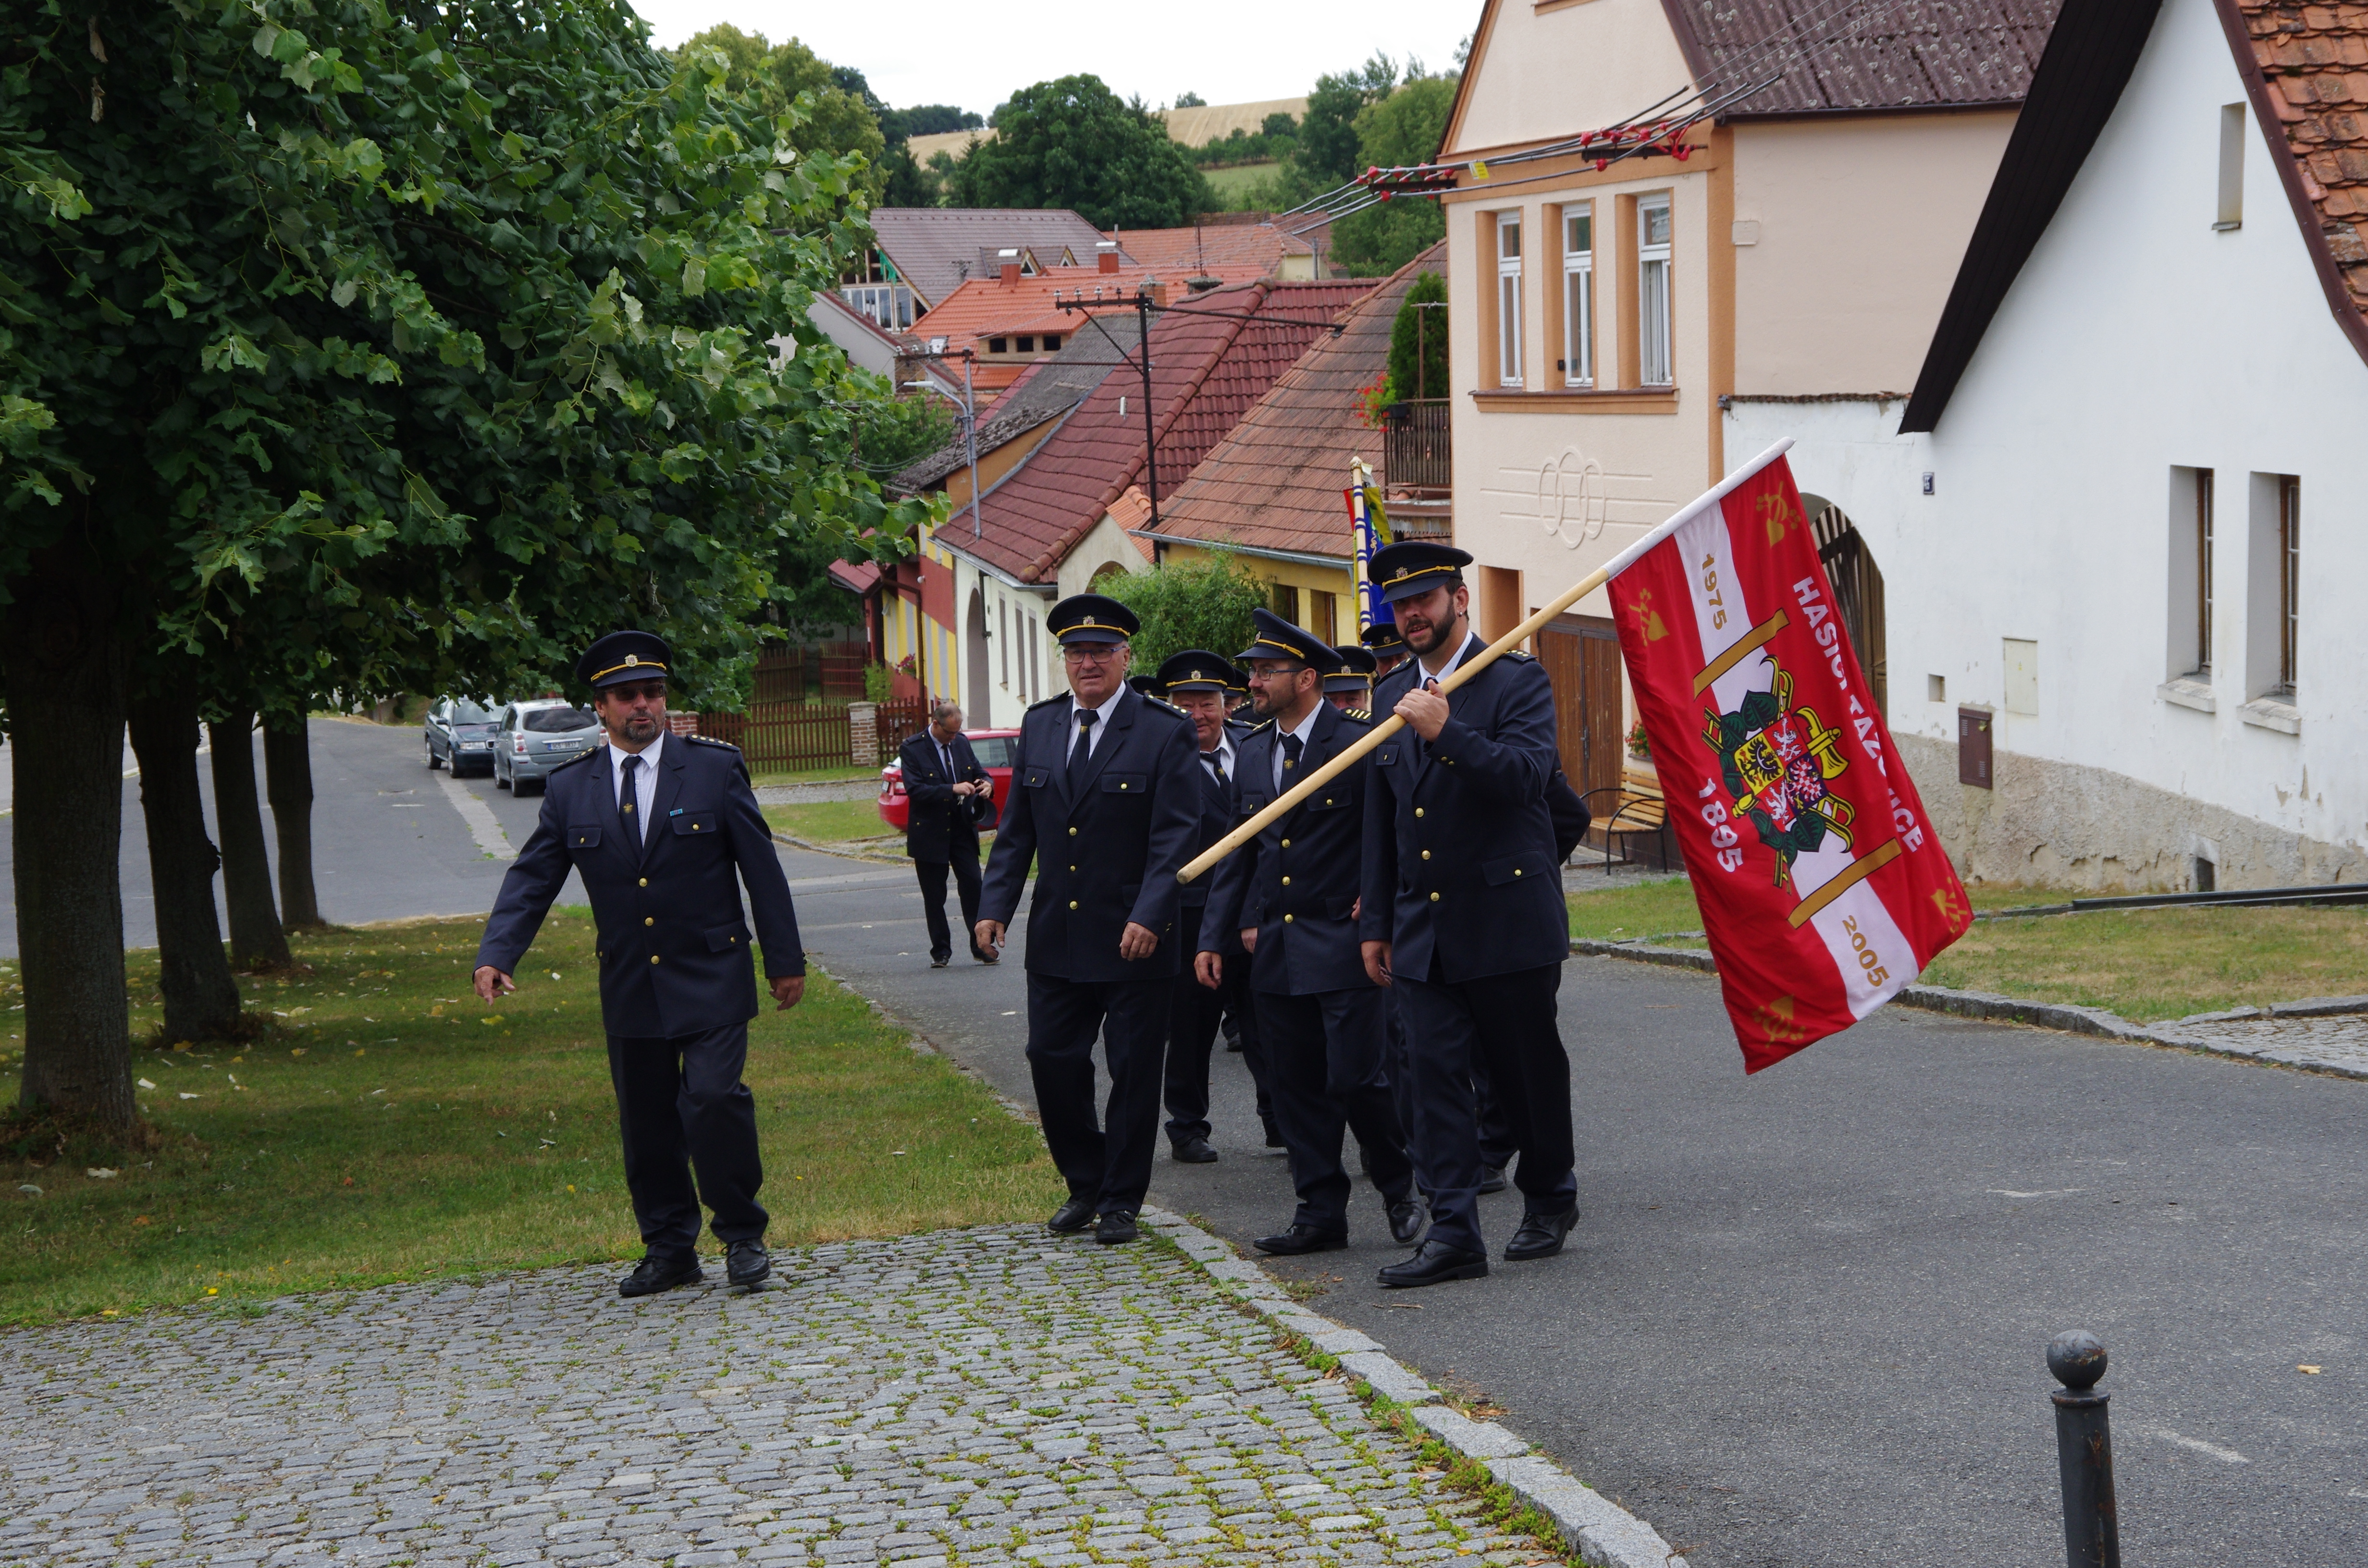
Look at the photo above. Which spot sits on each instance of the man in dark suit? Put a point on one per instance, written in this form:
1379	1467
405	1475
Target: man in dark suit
1463	913
664	829
1199	683
1105	800
1388	648
1291	893
947	797
1349	680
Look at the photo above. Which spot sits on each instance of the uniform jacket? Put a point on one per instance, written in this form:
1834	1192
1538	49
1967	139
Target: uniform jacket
1219	813
1459	859
1107	845
938	824
1296	882
673	943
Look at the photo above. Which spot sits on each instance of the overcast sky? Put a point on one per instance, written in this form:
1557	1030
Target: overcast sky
975	55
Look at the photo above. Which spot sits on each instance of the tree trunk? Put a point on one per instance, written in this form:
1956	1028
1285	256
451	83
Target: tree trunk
200	997
287	782
65	671
256	939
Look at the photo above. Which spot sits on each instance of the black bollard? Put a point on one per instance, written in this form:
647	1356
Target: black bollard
2084	1451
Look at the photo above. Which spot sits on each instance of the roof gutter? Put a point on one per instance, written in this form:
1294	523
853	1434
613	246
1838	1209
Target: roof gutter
998	572
1296	557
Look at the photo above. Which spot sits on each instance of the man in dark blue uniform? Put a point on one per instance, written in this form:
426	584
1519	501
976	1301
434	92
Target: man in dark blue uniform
1106	799
1464	914
1199	683
1349	680
664	829
1389	650
1292	892
947	797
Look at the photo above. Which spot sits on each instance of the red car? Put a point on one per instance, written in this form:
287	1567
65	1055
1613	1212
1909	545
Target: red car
993	748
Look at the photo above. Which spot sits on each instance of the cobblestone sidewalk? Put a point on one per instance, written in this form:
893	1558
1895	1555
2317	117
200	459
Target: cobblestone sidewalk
968	1399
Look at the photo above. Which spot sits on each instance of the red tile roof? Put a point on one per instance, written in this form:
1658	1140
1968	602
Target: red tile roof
936	248
1207	366
989	307
1274	481
1212	246
2314	63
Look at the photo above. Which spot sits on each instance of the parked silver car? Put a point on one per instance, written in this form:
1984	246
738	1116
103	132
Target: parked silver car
536	737
458	734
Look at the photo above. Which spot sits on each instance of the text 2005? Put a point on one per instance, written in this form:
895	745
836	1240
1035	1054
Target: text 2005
1875	973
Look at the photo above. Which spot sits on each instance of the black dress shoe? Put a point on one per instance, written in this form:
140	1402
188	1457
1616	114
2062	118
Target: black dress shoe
1434	1262
1301	1239
1406	1221
941	960
1194	1151
1274	1136
747	1263
1116	1226
655	1274
981	955
1541	1235
1492	1178
1071	1217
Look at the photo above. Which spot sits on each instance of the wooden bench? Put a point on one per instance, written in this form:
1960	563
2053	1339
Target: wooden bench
1637	806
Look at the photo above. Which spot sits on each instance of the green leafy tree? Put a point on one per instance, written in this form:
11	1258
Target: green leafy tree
1074	143
841	117
1329	144
1404	127
1190	100
927	120
414	348
1418	340
1204	603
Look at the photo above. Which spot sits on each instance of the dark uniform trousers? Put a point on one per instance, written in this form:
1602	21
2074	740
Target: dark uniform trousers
932	877
1127	812
1507	1021
681	1106
1324	1054
677	983
1192	1038
1497	1145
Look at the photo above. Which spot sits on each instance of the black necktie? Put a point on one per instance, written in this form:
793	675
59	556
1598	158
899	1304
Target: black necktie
1216	761
1292	745
946	760
1077	753
627	793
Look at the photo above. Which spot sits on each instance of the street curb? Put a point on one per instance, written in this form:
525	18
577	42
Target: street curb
1603	1534
2096	1021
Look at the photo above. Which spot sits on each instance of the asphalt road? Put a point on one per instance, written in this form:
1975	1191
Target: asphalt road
1801	1318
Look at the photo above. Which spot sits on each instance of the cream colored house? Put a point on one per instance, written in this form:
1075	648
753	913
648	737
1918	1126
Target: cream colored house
1796	243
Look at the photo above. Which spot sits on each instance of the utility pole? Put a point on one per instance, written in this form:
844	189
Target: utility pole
1150	440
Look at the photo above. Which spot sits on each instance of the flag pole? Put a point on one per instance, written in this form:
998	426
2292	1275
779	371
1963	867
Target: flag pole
1480	661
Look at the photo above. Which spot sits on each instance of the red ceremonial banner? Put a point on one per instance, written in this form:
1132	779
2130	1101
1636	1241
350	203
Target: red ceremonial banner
1822	886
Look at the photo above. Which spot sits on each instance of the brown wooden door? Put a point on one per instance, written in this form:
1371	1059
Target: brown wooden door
1581	654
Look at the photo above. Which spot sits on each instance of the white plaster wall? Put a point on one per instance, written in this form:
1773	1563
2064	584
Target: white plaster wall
1557	72
1857	228
1009	686
2135	339
1105	544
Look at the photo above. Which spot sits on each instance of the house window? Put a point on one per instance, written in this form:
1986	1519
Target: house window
2232	169
1322	616
1286	602
1003	640
2289	577
1578	296
1052	343
889	306
2192	547
998	345
1028	343
1652	292
1509	299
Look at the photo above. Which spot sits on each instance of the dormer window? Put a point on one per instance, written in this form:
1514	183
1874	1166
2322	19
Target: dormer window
1052	343
1027	344
998	346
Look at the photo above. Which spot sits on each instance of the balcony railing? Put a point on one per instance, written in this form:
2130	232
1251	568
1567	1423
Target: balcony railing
1415	448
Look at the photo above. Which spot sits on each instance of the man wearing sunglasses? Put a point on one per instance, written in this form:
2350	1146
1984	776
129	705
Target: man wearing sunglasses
664	829
1105	800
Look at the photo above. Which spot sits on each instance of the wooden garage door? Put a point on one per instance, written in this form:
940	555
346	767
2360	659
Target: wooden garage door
1581	653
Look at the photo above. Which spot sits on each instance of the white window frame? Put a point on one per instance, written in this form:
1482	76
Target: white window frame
1578	297
1655	361
1509	300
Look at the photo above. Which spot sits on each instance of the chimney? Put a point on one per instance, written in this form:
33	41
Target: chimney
1011	265
1106	255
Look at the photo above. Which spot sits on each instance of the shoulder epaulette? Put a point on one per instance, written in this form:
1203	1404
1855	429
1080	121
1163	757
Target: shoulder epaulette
1048	701
1261	724
1362	716
1517	653
580	756
710	740
1163	703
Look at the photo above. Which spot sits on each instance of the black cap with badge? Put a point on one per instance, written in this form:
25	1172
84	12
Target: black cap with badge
1350	669
1197	669
1272	637
621	656
1384	638
1416	566
1091	618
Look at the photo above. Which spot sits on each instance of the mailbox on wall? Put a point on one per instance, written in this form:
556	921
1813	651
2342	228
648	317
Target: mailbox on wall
1973	747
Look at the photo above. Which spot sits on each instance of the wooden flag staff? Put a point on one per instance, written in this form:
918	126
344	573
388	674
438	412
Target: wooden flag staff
1480	661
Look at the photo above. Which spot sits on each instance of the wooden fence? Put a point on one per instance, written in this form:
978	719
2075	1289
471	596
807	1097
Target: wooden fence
797	737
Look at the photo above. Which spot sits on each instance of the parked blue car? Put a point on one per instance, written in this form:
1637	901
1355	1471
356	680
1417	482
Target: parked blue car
459	733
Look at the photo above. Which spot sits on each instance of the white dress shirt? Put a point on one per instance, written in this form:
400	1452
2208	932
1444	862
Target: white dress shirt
1222	751
1304	730
1471	644
645	781
1101	721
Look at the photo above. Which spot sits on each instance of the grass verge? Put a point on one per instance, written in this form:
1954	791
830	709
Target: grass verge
843	774
829	821
2146	964
389	1127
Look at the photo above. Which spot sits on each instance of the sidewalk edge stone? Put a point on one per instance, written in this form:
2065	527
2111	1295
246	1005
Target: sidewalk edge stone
2095	1022
1602	1533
